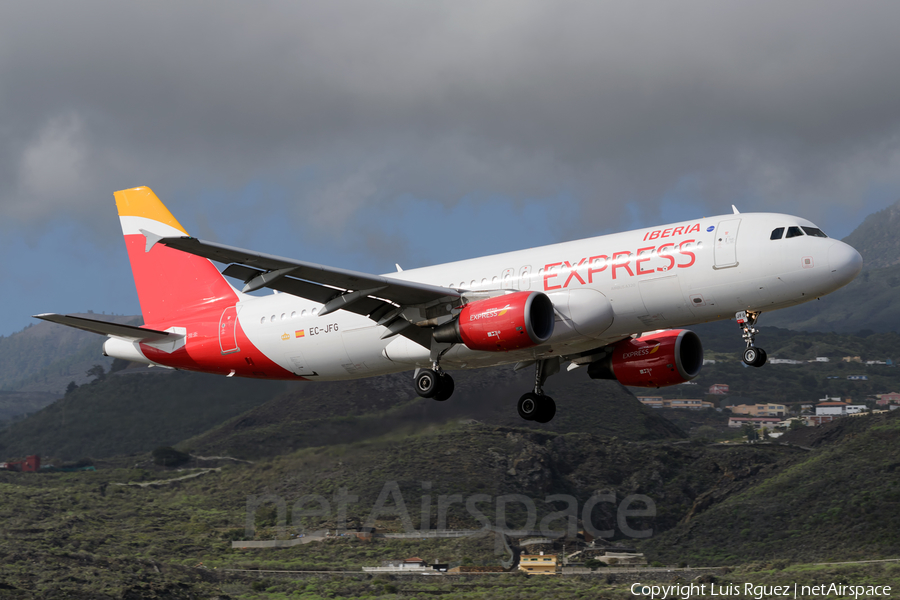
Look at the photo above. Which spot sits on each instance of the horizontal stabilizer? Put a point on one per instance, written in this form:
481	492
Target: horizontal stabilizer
129	332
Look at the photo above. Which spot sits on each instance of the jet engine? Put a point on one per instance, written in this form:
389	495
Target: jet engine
500	324
653	360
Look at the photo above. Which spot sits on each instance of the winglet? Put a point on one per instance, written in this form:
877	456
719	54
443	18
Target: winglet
734	208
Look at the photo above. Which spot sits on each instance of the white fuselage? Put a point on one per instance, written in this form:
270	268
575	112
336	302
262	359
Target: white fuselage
603	289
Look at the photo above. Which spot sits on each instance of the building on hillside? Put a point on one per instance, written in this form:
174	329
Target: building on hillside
652	401
408	565
538	564
660	402
854	409
836	408
690	403
852	359
475	569
892	398
719	389
813	420
767	422
760	410
784	361
858	377
820	359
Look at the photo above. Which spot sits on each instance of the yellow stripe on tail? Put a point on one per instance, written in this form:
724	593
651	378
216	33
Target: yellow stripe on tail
142	202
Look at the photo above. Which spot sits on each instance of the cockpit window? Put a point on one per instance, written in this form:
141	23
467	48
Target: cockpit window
815	232
777	233
793	232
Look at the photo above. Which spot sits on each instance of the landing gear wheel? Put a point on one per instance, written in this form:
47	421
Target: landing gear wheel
445	388
427	383
763	357
754	357
529	406
546	410
536	407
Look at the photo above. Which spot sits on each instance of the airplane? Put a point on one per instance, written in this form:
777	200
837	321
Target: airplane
616	304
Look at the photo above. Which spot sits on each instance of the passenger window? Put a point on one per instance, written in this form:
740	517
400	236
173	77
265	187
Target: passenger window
815	232
793	232
777	233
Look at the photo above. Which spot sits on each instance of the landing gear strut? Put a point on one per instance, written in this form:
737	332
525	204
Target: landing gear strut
536	406
753	356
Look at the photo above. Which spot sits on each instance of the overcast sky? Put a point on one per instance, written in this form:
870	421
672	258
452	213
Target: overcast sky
363	134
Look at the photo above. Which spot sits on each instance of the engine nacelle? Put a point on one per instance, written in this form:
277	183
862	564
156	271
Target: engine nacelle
655	360
501	324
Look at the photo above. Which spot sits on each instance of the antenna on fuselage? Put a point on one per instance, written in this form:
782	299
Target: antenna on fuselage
734	208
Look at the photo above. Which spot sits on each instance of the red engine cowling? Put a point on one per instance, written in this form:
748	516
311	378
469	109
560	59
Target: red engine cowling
510	322
654	360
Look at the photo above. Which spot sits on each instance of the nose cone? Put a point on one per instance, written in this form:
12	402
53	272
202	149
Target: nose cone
845	263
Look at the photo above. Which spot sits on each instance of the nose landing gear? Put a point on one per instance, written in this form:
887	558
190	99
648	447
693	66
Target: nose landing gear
753	356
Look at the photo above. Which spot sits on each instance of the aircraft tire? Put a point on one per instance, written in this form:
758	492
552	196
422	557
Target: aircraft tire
761	359
427	383
529	406
751	355
445	388
546	411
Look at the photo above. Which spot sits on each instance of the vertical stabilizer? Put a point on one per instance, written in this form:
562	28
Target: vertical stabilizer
171	285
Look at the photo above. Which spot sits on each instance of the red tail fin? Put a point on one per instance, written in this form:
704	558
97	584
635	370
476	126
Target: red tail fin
171	285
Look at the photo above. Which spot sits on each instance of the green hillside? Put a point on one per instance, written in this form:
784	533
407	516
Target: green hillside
132	412
45	357
838	502
325	413
725	504
876	238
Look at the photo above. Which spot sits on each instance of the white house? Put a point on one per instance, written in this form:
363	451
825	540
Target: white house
831	408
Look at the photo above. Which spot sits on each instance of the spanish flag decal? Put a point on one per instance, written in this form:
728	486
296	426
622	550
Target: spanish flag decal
300	333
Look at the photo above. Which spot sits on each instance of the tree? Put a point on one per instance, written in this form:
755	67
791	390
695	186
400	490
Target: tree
169	457
71	387
749	432
96	371
707	432
118	365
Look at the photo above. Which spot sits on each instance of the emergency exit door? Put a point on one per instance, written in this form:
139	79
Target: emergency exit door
725	248
227	326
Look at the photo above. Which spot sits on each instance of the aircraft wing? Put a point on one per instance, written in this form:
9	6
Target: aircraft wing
374	296
129	332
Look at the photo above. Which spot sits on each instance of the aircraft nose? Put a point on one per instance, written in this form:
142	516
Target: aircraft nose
845	263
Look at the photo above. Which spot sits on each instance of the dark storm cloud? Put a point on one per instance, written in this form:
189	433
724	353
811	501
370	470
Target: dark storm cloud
788	106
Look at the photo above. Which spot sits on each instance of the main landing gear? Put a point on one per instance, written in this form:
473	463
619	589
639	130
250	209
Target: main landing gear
753	356
536	406
434	383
